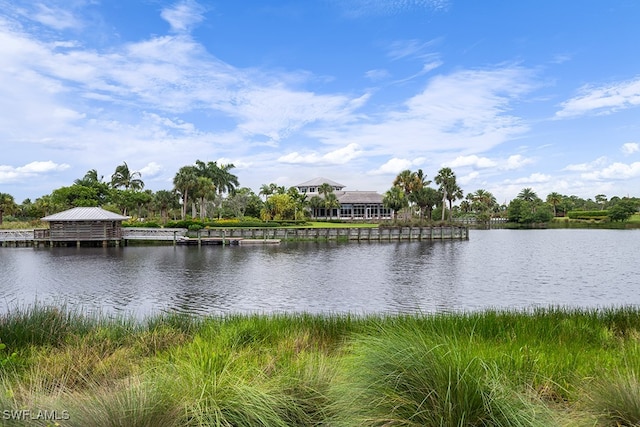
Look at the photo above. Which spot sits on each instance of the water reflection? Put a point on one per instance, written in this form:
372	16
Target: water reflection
497	268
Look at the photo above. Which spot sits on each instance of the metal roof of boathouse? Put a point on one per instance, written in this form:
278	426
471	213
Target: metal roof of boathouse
85	214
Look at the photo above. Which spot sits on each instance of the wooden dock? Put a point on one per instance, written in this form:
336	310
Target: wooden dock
238	236
224	241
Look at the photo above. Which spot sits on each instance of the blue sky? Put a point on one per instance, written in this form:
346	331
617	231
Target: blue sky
509	94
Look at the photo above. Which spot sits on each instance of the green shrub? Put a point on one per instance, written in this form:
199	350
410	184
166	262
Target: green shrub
596	215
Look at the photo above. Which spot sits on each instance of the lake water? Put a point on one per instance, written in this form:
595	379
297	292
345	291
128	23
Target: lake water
493	269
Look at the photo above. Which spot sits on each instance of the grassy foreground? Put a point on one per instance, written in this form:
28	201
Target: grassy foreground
548	367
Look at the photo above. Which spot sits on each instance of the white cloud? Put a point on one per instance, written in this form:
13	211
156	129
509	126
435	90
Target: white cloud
183	16
377	75
151	169
516	161
584	167
57	18
534	178
396	165
615	171
30	170
336	157
472	160
630	147
464	180
602	100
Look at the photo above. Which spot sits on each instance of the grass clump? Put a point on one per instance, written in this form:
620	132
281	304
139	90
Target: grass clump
548	367
405	377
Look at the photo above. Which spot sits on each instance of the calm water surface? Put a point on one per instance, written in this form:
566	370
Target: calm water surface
493	269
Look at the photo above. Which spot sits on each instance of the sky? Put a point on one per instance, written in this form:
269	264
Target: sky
538	94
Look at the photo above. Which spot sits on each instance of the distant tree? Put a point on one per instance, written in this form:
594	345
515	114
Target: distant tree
426	198
316	203
601	199
204	191
243	202
300	201
184	182
278	207
554	199
528	212
123	177
528	195
622	210
330	203
449	188
165	200
75	196
7	205
395	199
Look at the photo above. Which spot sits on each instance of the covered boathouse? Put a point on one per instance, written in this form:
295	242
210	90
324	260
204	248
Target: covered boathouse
83	226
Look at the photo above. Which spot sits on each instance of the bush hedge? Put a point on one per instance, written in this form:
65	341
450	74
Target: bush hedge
597	215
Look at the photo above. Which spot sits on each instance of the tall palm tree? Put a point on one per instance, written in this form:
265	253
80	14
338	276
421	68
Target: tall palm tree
330	202
324	189
299	200
123	177
316	203
220	175
528	195
554	199
205	191
185	181
446	179
405	181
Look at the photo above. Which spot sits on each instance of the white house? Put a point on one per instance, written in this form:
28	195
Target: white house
354	205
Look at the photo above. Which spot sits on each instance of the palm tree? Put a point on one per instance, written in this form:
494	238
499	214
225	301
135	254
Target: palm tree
89	179
446	179
555	199
299	200
395	199
7	205
204	190
185	181
425	198
123	177
316	203
330	202
165	200
528	195
268	189
325	189
405	181
220	175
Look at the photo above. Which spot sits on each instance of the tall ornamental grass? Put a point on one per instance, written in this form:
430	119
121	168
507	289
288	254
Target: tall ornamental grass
406	377
541	367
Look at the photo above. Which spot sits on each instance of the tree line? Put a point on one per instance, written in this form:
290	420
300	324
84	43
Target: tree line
210	190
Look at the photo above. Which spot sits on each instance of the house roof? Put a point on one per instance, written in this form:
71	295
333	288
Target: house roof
316	182
85	214
368	197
